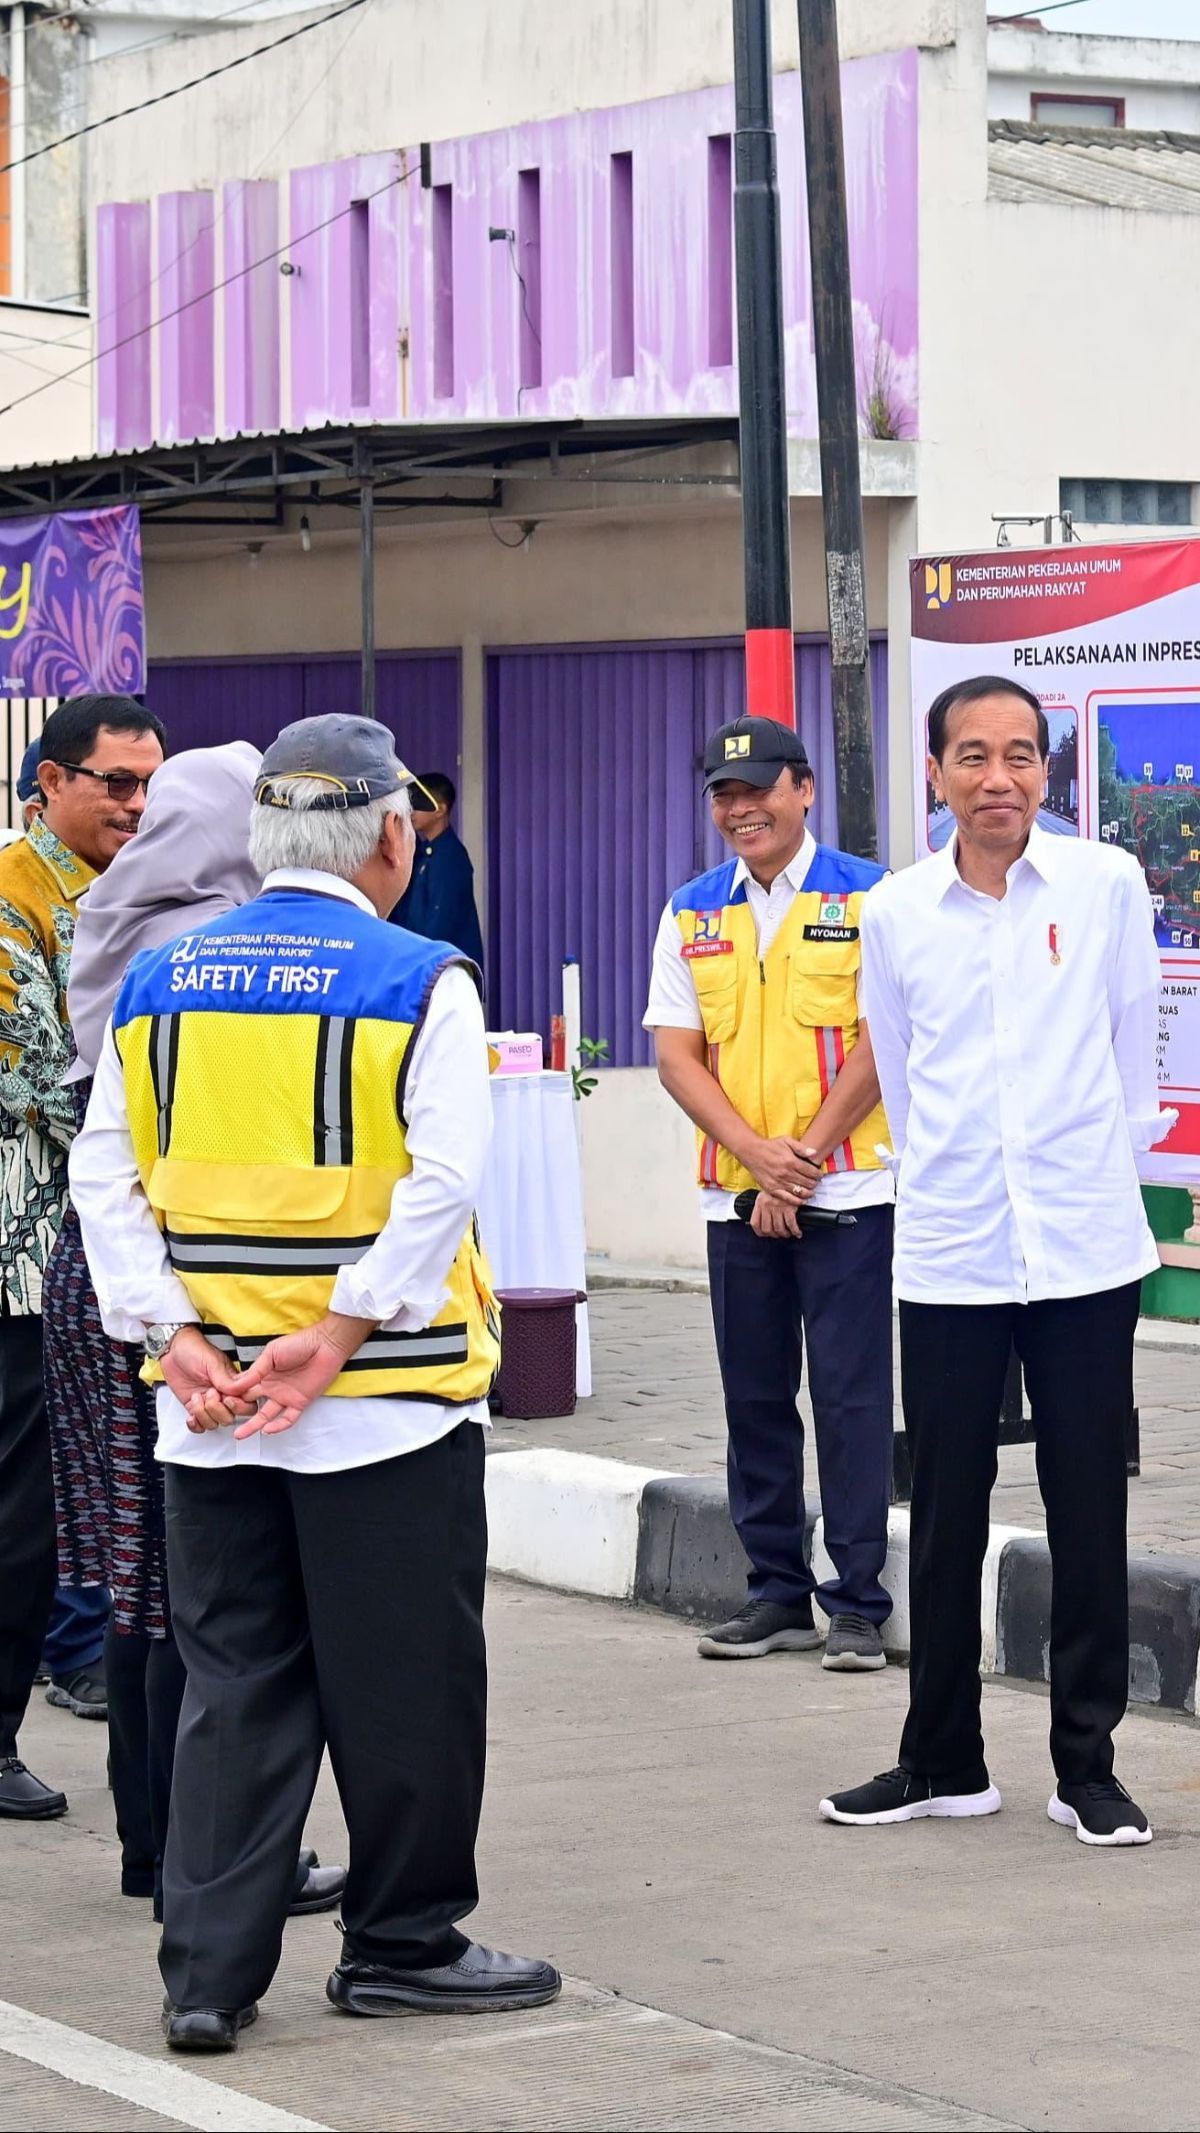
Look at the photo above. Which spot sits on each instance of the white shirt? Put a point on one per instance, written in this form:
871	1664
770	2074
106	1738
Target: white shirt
400	1281
1018	1087
674	1004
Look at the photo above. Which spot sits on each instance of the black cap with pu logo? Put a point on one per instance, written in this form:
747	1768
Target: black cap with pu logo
752	750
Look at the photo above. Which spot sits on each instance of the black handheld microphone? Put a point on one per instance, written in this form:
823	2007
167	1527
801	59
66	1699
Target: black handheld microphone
806	1217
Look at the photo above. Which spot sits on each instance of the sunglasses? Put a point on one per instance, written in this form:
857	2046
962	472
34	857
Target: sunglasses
122	784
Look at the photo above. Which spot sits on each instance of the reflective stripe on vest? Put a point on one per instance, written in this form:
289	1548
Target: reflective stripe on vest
268	1179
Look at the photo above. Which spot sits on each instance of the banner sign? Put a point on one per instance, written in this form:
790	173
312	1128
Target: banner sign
72	617
1109	639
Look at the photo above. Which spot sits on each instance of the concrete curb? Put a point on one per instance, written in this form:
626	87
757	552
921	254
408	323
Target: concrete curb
622	1532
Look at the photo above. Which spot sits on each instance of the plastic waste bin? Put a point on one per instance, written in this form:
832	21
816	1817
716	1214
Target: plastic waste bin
537	1353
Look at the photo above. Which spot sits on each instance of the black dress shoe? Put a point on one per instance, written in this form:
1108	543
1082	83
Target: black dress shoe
479	1981
23	1797
205	2029
317	1887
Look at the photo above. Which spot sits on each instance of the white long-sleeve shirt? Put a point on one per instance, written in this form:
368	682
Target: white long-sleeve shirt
1015	1041
400	1281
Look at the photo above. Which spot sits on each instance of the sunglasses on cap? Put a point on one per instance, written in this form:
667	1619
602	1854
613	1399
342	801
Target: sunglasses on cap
122	784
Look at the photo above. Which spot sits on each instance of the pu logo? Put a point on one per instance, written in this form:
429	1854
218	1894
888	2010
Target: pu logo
939	586
736	744
708	926
187	949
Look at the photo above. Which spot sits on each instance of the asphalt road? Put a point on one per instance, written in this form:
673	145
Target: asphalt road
732	1961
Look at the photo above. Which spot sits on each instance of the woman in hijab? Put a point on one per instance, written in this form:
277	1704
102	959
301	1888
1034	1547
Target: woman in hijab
188	865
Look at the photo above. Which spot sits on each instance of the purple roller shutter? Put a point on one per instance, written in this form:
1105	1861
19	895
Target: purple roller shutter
593	821
596	812
203	702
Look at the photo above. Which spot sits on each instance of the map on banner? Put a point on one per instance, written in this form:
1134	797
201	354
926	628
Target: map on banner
1108	637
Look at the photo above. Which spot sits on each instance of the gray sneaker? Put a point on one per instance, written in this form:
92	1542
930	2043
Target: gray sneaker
853	1646
762	1626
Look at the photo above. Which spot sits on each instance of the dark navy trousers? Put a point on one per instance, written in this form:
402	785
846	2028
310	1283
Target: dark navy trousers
831	1289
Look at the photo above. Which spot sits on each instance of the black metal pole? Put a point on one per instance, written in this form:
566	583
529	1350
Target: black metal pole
366	499
770	659
837	403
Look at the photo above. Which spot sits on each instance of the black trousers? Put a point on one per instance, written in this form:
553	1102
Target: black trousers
1077	1354
145	1682
310	1608
28	1557
832	1288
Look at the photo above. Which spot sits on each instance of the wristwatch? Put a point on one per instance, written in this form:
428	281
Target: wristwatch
158	1339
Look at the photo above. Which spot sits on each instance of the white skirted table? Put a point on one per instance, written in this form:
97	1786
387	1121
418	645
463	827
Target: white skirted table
531	1199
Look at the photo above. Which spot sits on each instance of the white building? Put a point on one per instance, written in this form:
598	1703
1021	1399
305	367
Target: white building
1026	320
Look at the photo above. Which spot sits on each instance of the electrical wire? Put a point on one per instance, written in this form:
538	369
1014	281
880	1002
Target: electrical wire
147	287
202	295
164	96
1034	13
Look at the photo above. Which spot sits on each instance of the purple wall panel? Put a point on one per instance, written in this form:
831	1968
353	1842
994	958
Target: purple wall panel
203	702
250	218
123	284
186	317
605	744
670	350
321	247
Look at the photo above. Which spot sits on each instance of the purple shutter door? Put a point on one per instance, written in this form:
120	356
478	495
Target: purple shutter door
203	702
592	824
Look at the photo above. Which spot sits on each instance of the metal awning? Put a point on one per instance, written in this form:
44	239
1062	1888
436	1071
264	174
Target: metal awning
408	467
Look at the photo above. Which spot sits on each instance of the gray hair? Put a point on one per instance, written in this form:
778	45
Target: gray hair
332	840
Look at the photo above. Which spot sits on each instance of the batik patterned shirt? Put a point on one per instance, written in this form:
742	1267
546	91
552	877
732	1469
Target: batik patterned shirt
40	885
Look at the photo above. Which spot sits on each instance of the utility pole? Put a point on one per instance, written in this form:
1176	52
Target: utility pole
837	404
766	533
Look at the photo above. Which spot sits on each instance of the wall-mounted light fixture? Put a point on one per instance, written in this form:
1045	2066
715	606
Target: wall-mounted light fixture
254	549
305	534
288	266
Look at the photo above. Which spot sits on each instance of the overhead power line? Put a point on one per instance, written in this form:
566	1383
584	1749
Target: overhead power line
202	295
196	81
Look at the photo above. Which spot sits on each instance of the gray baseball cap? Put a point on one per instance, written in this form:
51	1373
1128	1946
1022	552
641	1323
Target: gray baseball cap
356	757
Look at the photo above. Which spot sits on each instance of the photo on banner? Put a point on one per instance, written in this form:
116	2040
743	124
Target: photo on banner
1108	638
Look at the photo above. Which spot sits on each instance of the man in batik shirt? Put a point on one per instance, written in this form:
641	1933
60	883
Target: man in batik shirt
98	754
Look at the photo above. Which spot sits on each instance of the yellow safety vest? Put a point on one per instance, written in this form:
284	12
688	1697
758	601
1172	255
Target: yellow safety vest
264	1065
779	1027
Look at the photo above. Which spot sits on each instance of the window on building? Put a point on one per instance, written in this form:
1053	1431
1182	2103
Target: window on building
1127	503
621	263
1061	109
720	249
443	291
360	304
529	265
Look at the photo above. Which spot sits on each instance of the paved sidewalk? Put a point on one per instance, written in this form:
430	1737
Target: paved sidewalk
657	1403
733	1962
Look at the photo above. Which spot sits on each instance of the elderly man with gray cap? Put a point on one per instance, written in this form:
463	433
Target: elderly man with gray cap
276	1185
754	1009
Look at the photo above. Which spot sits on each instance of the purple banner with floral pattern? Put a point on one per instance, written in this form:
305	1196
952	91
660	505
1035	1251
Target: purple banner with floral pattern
72	615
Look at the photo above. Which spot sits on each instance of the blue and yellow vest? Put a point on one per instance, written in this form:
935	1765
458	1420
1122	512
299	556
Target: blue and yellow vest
265	1061
779	1027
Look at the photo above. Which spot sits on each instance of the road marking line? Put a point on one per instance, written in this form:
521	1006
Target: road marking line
154	2084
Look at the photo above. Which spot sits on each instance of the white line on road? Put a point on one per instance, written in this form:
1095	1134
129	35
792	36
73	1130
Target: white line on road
154	2084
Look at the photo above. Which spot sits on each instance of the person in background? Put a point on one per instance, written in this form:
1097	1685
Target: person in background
108	1484
299	1097
72	1665
439	902
29	792
1012	983
98	754
757	1031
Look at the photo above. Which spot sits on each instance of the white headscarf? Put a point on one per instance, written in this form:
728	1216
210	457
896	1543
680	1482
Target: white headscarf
188	864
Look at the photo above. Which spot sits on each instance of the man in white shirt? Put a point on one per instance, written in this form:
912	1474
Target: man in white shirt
1012	986
278	1171
754	1008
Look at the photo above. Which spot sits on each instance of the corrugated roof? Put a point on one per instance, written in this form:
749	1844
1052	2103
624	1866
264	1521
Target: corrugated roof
1094	166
